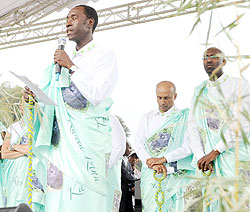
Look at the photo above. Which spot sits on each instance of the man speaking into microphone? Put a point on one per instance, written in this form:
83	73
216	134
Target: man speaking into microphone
75	139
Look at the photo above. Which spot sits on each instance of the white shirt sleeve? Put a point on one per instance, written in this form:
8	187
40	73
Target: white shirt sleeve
194	136
140	139
244	105
180	152
100	85
118	141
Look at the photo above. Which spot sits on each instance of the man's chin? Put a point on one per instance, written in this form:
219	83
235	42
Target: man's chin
163	110
209	70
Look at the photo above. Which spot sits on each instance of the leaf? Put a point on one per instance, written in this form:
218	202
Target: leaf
231	25
209	28
246	114
223	138
244	136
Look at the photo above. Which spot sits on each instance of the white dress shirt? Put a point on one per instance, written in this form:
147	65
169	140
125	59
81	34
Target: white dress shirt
230	87
97	72
15	130
150	122
118	141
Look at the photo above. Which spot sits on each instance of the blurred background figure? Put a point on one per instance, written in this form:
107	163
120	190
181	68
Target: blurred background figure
114	171
135	163
2	135
127	182
15	167
136	190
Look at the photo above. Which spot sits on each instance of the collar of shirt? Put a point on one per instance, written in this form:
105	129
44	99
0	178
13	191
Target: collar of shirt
219	81
88	47
168	113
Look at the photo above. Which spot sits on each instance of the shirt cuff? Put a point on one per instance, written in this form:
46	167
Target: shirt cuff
169	158
170	170
220	146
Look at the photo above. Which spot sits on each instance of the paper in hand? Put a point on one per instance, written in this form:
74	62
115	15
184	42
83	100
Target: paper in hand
40	95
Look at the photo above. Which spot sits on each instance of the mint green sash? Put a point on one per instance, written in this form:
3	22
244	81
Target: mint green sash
85	142
211	128
206	113
173	186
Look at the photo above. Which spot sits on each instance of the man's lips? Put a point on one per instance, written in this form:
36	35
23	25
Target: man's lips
210	66
69	31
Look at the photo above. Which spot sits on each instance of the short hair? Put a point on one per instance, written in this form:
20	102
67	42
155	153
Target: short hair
90	12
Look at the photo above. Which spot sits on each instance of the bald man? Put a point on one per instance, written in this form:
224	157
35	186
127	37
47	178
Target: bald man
214	116
162	144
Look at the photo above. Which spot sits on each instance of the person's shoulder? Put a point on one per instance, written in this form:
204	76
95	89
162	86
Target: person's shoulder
239	80
150	114
103	49
198	88
201	85
182	112
185	110
236	82
12	127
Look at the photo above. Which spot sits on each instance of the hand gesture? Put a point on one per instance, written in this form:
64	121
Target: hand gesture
155	161
160	169
203	163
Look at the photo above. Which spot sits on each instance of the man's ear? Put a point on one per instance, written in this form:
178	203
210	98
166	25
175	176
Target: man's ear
224	61
175	95
91	22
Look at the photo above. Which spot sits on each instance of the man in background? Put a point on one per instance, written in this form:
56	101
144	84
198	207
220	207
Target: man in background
127	182
217	111
162	144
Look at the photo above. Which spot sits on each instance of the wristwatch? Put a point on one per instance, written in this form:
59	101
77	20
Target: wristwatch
72	69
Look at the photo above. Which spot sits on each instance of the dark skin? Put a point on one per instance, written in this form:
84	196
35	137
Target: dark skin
79	30
213	66
166	95
214	69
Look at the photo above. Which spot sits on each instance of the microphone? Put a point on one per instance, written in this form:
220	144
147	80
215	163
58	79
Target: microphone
61	45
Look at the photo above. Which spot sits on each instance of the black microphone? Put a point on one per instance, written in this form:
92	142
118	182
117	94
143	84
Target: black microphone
61	45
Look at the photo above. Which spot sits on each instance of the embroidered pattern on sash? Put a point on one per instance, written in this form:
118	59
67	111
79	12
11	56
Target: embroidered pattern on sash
213	119
36	183
73	98
54	177
24	139
158	143
116	202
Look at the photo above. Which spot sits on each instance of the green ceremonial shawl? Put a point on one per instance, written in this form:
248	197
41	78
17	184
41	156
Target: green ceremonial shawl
85	137
211	128
166	139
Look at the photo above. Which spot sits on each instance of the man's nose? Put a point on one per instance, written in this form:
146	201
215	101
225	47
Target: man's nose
68	23
163	102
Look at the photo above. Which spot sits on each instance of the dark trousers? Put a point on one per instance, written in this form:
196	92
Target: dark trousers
126	204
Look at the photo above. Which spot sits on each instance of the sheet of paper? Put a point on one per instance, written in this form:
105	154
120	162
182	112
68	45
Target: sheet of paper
40	95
